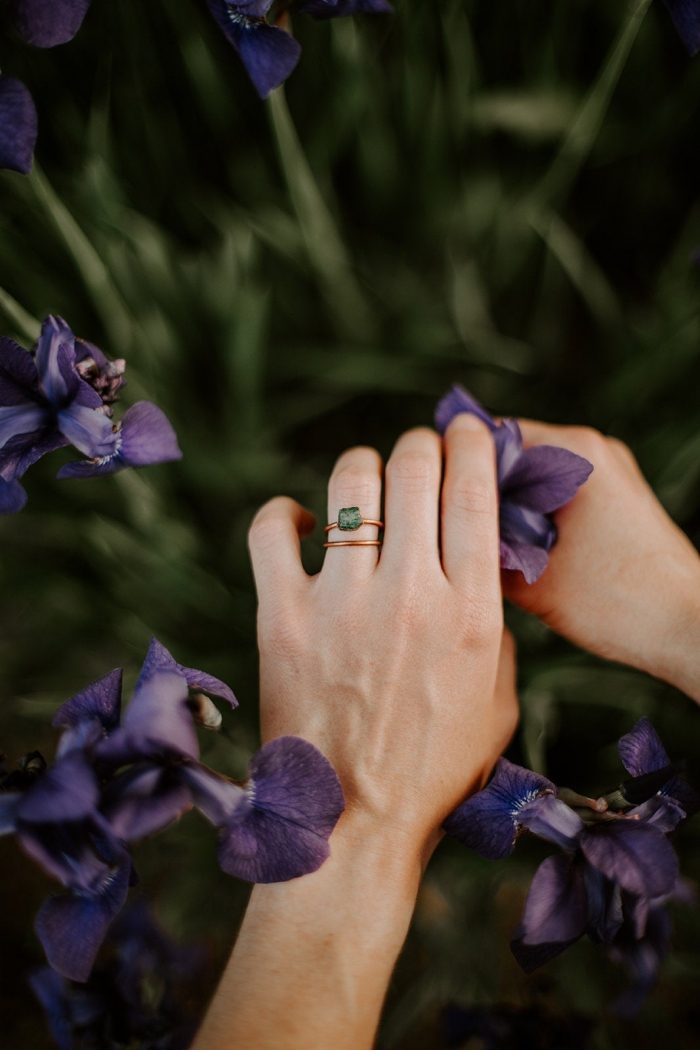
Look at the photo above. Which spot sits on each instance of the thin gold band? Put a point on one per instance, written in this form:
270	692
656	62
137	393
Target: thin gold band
365	521
354	543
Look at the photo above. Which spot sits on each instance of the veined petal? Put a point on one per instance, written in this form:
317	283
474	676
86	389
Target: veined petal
488	821
556	908
635	855
686	19
159	659
641	749
214	796
101	700
550	819
89	430
268	53
12	497
46	23
25	418
530	561
454	402
18	126
147	436
544	478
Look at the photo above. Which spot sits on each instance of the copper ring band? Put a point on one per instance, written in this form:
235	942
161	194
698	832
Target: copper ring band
365	521
354	543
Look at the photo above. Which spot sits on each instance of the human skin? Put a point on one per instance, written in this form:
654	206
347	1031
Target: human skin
623	581
398	668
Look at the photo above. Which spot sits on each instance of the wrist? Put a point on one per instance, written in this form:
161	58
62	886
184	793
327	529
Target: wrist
679	661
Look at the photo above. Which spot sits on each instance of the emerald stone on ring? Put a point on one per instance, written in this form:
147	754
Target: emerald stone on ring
350	520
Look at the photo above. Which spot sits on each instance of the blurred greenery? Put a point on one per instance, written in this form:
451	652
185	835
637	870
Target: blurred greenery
502	193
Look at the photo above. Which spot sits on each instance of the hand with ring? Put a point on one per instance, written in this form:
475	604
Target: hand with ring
394	662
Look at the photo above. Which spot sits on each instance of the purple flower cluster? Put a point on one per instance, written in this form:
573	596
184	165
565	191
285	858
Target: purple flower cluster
532	483
62	394
134	998
117	780
617	869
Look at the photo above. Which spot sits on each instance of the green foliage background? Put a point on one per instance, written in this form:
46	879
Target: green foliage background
502	192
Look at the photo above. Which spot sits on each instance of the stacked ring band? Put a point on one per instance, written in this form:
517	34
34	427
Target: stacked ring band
350	520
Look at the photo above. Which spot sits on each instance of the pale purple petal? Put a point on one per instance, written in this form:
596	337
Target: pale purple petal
159	659
556	908
12	497
56	343
18	126
213	795
20	453
71	927
266	848
509	447
88	430
519	525
100	700
488	821
544	478
659	812
46	23
641	749
531	561
268	54
157	724
22	419
18	375
635	855
144	801
551	819
686	19
68	791
455	401
143	438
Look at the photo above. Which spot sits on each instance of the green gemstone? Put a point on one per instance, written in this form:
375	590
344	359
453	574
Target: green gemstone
349	519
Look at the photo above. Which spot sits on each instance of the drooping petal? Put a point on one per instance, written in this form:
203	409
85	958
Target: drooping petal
52	992
322	9
643	959
144	801
519	525
488	821
280	830
268	53
544	478
143	438
521	557
551	819
213	795
660	812
12	497
454	402
18	126
604	906
101	700
68	791
509	447
46	23
21	452
159	659
89	430
71	927
641	749
157	724
531	956
556	908
686	19
635	855
21	419
56	344
18	375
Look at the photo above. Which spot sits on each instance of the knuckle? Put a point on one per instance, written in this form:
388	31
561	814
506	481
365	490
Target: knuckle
473	496
266	530
621	450
591	443
413	470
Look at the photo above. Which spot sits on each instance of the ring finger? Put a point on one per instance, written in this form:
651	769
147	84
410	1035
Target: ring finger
356	482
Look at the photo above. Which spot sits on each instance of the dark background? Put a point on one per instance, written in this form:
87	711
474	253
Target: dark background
501	192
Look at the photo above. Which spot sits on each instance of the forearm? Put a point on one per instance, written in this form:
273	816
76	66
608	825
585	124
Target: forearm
314	956
679	662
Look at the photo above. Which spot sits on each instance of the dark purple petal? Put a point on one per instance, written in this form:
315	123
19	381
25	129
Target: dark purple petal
213	795
101	700
531	561
268	53
659	812
531	956
12	497
89	430
643	959
46	23
454	402
143	801
635	855
322	9
544	478
55	349
22	419
157	725
682	793
20	453
71	927
52	992
159	659
18	126
686	19
556	908
77	853
488	821
553	820
85	736
281	829
8	811
604	906
641	749
18	375
66	792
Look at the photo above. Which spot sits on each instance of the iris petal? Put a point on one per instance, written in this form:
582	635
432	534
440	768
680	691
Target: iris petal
101	700
46	23
636	856
18	126
544	478
268	53
556	908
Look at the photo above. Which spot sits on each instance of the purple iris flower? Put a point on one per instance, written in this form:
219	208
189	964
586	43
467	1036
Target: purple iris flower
617	870
18	126
58	824
686	19
62	394
532	483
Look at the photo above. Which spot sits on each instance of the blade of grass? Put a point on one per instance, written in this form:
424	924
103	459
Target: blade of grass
25	324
